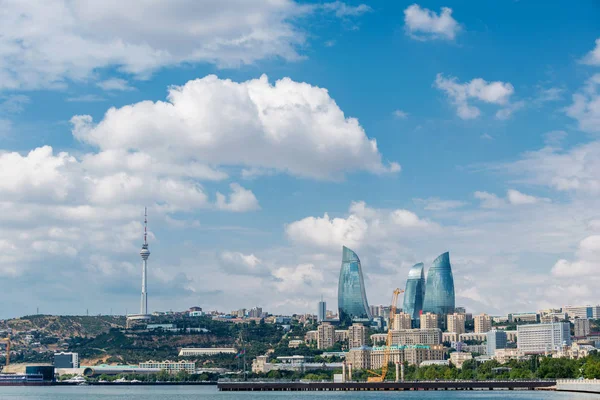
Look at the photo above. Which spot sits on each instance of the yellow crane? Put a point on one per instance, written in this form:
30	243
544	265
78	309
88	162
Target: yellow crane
388	343
7	340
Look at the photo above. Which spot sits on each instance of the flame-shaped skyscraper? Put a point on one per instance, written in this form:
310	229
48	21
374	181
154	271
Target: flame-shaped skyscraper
145	253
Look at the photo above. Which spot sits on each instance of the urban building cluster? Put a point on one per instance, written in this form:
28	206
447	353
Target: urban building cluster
429	328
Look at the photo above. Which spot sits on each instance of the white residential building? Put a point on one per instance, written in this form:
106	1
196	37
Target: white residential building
543	338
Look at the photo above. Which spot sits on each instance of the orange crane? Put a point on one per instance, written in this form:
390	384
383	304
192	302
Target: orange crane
7	340
388	343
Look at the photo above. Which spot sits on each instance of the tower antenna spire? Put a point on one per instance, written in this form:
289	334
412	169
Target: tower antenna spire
145	225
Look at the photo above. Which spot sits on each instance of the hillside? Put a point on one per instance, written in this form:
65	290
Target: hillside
64	326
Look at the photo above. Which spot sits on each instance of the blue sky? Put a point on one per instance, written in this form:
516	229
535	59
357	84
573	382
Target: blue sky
249	129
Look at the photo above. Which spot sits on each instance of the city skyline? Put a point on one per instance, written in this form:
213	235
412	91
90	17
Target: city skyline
281	131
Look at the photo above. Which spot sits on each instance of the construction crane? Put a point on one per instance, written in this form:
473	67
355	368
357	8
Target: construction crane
7	340
388	343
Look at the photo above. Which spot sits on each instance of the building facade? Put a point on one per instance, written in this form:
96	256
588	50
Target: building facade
429	321
322	311
543	338
205	351
171	367
582	327
414	293
352	298
357	335
482	323
402	321
524	317
495	340
458	358
406	337
66	360
413	354
456	323
325	336
582	311
439	289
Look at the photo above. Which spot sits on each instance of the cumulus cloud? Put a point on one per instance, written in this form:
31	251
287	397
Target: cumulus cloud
586	106
363	224
586	262
239	200
289	126
424	24
86	36
593	57
497	93
237	263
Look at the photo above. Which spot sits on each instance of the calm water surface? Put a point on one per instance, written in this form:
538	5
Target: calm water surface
210	393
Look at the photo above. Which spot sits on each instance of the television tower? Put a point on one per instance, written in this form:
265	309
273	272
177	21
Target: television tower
145	253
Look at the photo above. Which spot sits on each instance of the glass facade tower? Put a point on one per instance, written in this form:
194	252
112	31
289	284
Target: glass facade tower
415	292
439	290
352	299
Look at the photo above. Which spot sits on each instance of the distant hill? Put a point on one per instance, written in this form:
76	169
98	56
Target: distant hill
64	326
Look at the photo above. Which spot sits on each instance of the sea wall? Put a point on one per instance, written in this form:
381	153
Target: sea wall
578	385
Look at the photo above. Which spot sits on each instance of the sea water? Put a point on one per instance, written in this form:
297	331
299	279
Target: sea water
211	393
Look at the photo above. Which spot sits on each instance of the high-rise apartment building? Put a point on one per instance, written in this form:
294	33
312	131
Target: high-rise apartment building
402	321
582	327
495	340
456	323
439	289
429	321
415	291
482	323
255	312
352	299
542	338
321	311
357	335
325	335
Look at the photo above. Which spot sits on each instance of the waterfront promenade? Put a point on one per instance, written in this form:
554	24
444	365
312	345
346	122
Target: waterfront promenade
387	386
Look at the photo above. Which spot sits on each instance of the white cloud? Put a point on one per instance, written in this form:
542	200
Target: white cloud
114	84
575	170
85	98
593	57
586	263
497	93
400	114
517	198
289	126
363	224
293	280
513	197
342	9
586	106
240	200
508	111
437	204
424	24
237	263
141	37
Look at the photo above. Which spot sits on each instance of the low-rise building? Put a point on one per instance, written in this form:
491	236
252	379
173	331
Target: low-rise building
413	354
505	355
295	343
171	367
66	360
205	351
470	336
311	337
524	317
296	363
458	358
404	337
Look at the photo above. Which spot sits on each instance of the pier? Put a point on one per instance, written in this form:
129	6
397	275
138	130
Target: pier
386	386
